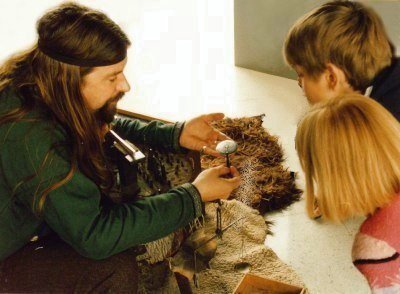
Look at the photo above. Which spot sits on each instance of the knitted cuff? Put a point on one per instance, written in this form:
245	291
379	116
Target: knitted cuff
194	193
176	135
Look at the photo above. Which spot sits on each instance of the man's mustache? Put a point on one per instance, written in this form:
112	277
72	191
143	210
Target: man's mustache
117	97
107	112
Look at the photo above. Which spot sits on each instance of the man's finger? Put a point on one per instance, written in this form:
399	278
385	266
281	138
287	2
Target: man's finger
203	149
235	180
216	136
214	153
212	143
223	170
221	136
214	116
211	151
234	172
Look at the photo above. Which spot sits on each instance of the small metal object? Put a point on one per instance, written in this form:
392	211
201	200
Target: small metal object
225	148
218	230
202	150
243	267
195	277
223	230
131	152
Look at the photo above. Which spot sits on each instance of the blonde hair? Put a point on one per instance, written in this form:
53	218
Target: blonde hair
347	34
349	150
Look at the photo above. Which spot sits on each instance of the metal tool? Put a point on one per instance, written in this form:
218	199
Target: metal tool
131	152
226	148
195	278
242	266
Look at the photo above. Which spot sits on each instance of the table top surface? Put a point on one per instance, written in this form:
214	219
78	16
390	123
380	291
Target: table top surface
235	91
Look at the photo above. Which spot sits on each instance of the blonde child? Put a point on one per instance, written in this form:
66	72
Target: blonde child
349	149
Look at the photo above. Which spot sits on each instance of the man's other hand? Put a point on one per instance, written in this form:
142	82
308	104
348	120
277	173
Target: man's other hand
199	135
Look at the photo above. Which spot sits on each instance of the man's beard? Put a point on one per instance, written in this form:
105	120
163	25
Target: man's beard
105	115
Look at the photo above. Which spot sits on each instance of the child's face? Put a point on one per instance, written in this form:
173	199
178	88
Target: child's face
330	83
315	89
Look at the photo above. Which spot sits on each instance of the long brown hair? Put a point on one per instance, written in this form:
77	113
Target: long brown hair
84	34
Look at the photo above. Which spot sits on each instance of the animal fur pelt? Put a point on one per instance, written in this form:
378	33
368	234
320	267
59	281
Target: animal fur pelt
242	242
266	184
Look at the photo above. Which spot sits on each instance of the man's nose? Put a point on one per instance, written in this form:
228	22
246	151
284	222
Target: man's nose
123	85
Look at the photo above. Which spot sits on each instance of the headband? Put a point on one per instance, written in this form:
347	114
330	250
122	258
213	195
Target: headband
76	61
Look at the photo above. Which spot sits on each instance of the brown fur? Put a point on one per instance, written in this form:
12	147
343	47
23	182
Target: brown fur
273	186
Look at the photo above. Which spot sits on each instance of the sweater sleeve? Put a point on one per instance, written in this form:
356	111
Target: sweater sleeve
154	133
74	210
75	213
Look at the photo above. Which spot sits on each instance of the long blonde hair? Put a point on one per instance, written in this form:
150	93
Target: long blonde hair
349	150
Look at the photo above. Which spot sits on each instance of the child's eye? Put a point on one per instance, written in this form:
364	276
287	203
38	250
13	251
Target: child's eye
112	79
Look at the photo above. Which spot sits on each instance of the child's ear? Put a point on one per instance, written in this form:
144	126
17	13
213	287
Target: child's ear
335	77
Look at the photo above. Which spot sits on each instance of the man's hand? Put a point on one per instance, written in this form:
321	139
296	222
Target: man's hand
213	184
199	135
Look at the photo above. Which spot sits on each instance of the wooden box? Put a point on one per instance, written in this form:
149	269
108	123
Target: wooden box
256	285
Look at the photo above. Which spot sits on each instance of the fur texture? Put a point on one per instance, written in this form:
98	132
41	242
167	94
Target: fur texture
266	184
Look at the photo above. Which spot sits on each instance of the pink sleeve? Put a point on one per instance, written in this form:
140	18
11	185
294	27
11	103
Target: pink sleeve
384	224
377	246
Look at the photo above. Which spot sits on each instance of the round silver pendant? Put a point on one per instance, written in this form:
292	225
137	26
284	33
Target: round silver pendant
227	147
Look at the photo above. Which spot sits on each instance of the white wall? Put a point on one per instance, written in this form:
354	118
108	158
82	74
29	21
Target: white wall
261	26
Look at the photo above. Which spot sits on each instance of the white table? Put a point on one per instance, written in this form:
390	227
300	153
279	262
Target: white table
235	91
320	253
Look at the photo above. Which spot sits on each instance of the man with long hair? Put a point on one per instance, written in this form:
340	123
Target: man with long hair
57	100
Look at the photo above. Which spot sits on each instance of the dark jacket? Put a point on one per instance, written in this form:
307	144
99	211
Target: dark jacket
386	88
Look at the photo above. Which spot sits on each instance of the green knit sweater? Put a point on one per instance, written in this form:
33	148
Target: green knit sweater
74	210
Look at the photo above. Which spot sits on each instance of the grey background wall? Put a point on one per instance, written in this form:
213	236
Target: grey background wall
261	26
